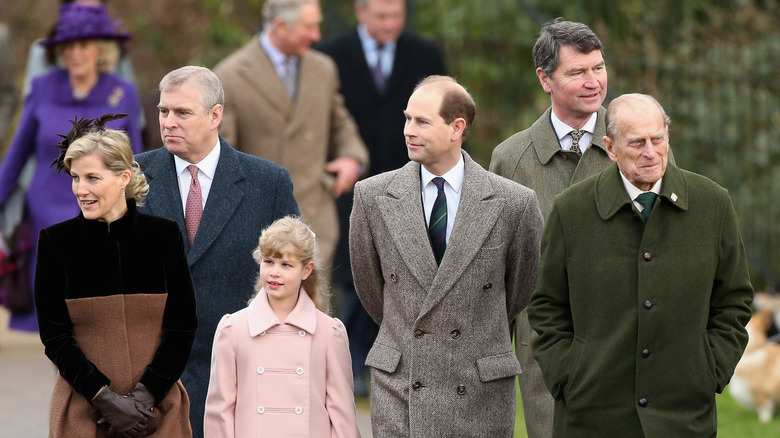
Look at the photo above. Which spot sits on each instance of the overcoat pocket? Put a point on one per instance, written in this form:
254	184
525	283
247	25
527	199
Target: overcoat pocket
383	358
498	367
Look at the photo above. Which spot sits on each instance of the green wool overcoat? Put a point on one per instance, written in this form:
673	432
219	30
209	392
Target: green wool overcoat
640	322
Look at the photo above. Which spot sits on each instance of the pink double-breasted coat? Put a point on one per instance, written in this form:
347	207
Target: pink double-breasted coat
280	379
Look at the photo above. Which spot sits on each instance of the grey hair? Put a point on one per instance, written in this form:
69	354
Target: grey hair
558	33
613	131
211	91
286	10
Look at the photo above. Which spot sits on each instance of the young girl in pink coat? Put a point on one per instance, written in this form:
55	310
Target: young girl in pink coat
280	367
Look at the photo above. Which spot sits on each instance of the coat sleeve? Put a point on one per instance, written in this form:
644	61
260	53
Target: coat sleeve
220	418
55	325
339	398
180	322
284	201
22	146
730	301
345	141
366	267
522	264
549	312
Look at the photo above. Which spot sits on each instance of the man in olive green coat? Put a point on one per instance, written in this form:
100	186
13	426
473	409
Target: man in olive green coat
638	342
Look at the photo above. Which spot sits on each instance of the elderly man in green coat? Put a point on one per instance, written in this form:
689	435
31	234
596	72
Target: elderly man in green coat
643	291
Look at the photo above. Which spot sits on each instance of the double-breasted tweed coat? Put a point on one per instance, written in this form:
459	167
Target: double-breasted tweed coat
442	364
640	322
302	135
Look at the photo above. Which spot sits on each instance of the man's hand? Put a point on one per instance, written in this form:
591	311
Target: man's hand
347	170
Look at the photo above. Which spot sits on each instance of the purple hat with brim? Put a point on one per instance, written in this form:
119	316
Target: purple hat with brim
84	22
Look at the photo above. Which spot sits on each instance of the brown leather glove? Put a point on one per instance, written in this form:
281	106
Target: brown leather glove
120	413
144	402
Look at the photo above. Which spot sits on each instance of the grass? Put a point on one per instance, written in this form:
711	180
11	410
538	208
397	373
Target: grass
734	421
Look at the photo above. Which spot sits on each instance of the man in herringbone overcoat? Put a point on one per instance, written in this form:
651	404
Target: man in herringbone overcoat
442	364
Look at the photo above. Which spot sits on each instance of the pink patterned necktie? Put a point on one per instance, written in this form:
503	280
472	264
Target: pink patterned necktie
194	209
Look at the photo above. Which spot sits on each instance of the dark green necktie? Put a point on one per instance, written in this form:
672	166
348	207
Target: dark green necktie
647	200
437	227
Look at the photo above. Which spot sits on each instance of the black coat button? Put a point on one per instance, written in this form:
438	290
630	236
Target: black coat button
487	286
645	353
455	334
418	333
647	256
416	386
648	304
643	402
461	389
393	278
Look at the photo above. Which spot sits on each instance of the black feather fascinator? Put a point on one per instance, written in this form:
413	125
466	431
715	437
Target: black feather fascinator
80	127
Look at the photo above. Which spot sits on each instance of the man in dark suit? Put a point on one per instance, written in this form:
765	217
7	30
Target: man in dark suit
376	84
222	200
447	255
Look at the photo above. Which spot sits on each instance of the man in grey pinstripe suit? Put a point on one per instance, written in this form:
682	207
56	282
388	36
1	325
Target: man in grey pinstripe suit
563	147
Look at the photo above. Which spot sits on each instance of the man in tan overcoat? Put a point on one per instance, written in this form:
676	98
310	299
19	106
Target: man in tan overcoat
282	103
444	255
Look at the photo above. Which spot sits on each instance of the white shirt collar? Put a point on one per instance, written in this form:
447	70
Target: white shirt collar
634	191
453	177
208	165
562	129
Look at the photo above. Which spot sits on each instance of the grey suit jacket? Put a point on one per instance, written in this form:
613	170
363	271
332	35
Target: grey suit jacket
443	363
247	194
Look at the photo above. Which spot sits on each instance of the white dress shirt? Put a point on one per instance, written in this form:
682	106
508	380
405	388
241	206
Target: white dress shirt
370	50
634	191
279	59
452	185
206	169
563	131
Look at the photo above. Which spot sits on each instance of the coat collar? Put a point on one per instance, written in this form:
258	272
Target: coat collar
611	195
224	197
546	141
402	211
261	317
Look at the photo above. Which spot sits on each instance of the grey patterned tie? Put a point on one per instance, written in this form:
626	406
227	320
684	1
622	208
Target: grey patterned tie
290	78
576	135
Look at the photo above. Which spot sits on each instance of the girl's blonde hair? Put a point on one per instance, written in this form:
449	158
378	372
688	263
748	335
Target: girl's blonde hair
292	232
113	147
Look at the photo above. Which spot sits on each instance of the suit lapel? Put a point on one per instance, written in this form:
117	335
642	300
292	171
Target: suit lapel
477	214
224	198
257	64
402	211
164	184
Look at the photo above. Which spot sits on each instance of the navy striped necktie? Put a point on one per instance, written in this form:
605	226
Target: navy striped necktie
437	227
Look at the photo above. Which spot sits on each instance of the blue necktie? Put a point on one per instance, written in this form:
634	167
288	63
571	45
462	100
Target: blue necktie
379	75
437	227
647	200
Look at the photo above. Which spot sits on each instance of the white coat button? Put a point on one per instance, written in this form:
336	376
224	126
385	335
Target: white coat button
299	410
302	333
262	334
260	409
299	371
260	370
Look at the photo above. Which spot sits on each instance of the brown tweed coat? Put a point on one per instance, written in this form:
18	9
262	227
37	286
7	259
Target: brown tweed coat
442	364
302	135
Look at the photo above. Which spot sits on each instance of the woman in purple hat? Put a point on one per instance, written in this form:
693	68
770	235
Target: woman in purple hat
82	87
